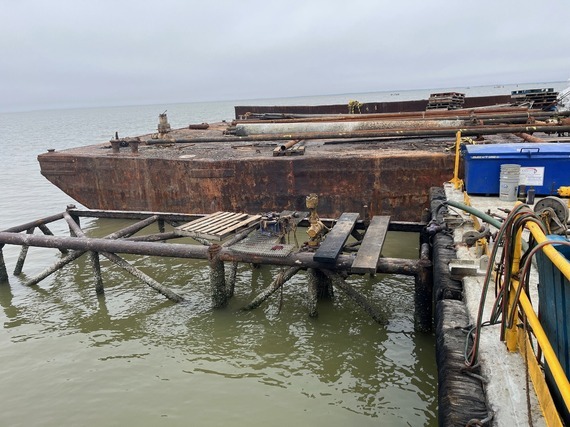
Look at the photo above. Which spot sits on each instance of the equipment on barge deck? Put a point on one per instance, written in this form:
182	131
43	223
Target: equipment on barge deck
202	170
316	228
163	125
553	211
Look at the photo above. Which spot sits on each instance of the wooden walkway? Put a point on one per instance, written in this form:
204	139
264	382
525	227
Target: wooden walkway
219	225
370	250
371	247
332	246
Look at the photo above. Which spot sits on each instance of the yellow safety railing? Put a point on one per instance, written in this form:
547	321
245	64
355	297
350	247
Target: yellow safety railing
518	338
456	181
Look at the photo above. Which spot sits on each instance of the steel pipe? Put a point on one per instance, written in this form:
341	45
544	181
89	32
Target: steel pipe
250	129
304	259
37	223
480	114
441	132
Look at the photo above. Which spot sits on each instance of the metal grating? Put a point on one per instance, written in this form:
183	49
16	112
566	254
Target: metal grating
260	244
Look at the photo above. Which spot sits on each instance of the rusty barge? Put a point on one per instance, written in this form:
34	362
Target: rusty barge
371	162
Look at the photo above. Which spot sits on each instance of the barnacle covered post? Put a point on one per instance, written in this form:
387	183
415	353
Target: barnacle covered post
3	272
217	277
319	286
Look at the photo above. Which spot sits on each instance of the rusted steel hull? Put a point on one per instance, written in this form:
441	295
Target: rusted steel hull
393	183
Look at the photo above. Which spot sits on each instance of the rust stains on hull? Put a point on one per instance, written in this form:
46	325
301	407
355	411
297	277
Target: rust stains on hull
394	183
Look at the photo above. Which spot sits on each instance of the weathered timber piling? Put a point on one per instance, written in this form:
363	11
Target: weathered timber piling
37	223
231	279
23	254
95	264
217	277
73	222
62	262
339	282
3	272
75	230
117	260
279	281
385	265
319	286
44	229
142	276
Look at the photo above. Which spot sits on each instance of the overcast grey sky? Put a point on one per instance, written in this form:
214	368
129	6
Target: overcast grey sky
68	53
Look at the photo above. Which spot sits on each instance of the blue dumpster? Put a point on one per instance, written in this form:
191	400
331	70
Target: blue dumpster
544	166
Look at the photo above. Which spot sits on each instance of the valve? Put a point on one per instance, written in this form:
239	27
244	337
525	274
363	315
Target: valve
316	228
471	237
554	213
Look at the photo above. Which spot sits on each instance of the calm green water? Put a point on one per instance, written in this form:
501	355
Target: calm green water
131	357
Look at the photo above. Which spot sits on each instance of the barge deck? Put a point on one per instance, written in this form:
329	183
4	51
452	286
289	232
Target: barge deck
195	171
203	169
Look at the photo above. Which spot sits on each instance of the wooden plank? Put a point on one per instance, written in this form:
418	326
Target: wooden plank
371	246
202	221
332	245
213	221
228	224
198	221
227	218
213	228
218	225
249	222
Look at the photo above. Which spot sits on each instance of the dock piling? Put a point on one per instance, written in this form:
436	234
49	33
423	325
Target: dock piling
319	286
117	260
73	219
56	266
23	254
372	311
217	277
231	279
96	265
279	281
3	272
44	229
312	292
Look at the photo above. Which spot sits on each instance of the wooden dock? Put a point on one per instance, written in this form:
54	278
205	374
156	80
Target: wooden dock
227	238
